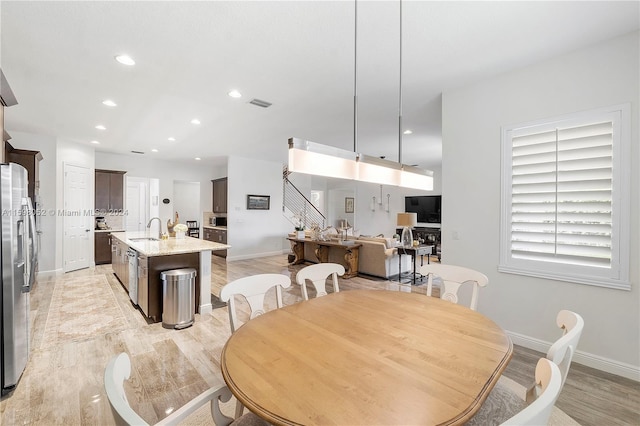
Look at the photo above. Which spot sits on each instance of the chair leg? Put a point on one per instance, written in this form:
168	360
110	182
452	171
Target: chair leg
239	409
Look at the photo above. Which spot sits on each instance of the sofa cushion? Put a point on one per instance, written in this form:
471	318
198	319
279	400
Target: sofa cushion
374	239
390	242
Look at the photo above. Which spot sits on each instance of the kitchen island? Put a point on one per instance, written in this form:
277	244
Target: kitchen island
153	256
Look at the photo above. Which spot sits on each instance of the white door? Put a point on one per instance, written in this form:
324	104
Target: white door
77	218
136	205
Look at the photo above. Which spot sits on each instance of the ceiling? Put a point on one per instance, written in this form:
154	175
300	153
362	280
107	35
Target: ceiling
59	60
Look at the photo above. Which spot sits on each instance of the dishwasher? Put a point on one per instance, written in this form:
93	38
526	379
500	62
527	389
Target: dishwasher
133	275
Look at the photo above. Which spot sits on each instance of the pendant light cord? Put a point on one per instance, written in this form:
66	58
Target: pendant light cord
400	95
355	78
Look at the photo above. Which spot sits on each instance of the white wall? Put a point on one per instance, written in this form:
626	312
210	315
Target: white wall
368	222
166	172
601	75
254	233
380	221
47	176
186	201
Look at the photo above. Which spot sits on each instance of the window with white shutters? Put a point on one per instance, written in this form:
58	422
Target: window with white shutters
565	202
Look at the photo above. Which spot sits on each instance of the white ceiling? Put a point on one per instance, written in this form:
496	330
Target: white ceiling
59	60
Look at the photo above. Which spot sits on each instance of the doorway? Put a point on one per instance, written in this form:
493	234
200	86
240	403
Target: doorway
137	204
77	218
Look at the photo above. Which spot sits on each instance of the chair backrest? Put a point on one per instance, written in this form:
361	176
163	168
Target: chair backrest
561	352
253	289
452	278
317	274
119	369
549	378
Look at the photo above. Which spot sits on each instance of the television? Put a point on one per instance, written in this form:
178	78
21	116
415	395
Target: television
427	207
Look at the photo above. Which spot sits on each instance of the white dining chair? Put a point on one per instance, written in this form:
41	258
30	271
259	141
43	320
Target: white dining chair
563	349
508	395
505	405
549	379
253	288
317	275
119	369
453	277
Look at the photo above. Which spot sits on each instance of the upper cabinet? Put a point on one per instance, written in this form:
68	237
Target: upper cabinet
30	160
109	190
220	195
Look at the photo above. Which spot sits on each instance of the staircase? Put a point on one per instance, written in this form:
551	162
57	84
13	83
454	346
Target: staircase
296	207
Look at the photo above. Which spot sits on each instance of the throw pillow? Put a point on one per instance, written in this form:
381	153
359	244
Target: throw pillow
390	242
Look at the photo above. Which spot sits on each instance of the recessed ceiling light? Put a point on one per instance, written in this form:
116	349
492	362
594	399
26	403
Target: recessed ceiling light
235	94
109	103
171	139
101	127
125	60
198	158
408	132
154	150
195	121
95	142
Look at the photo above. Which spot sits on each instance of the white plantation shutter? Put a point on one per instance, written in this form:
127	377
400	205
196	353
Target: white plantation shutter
562	188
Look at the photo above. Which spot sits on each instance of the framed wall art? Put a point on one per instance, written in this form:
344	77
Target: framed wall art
258	202
348	204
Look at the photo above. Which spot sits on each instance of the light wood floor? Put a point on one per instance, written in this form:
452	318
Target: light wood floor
63	383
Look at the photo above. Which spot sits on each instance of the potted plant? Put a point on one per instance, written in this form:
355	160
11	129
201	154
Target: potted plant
299	227
180	230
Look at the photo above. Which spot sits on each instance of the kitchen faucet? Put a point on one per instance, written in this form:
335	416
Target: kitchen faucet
159	225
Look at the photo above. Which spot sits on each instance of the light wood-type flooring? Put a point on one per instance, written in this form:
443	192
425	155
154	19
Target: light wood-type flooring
63	382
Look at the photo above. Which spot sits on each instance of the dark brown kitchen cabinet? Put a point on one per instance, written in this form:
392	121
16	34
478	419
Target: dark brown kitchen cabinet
109	191
220	195
30	160
102	245
217	236
153	292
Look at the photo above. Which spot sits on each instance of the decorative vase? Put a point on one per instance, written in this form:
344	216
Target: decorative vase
407	237
179	234
300	235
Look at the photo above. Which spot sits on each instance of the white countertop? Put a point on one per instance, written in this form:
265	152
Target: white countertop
166	247
109	230
220	228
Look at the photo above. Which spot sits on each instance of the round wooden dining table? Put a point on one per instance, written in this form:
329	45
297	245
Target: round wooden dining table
366	357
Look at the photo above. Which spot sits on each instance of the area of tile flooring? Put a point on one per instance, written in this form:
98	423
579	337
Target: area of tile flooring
70	346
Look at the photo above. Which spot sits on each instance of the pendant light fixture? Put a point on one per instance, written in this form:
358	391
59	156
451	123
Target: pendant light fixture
317	159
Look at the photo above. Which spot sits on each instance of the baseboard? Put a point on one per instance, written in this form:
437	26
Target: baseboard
44	275
253	256
207	308
590	360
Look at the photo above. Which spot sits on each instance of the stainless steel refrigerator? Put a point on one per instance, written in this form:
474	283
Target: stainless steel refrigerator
18	271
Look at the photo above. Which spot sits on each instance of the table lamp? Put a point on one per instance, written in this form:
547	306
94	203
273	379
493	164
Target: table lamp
407	221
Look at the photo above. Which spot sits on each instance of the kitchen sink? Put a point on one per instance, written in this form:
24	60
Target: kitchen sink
144	239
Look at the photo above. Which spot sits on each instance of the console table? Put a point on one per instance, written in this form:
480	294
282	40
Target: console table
421	250
322	253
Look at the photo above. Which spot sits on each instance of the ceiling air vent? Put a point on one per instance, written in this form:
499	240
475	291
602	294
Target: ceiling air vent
137	152
258	102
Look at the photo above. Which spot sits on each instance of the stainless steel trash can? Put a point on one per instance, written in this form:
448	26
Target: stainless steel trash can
178	297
